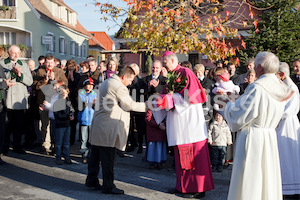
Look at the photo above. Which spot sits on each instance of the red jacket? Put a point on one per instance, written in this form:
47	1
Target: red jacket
154	133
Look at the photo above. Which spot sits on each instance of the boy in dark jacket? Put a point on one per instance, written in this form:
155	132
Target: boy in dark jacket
62	127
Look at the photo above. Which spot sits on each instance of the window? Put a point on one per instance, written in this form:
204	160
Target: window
79	51
76	49
9	2
62	45
66	47
8	38
51	47
68	17
72	48
83	50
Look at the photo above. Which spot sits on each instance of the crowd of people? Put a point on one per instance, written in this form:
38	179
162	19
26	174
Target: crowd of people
219	117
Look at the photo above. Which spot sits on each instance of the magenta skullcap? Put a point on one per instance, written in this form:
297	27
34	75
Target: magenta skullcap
166	53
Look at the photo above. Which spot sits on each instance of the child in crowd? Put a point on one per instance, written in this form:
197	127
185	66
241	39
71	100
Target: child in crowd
53	91
88	98
157	146
63	113
224	86
219	136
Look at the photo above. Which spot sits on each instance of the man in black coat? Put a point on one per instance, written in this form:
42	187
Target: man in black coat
199	72
4	84
153	83
233	76
147	86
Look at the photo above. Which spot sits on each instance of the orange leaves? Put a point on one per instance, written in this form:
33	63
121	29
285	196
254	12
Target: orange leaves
97	4
243	44
227	13
255	23
237	60
251	14
178	25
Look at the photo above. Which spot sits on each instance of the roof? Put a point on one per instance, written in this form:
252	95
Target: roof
103	38
47	15
93	42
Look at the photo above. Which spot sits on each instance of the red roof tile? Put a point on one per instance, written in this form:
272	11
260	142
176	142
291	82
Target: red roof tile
103	38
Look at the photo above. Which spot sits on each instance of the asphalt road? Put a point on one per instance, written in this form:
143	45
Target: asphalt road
36	176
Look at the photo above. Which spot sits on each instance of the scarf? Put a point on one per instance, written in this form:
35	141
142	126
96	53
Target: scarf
109	73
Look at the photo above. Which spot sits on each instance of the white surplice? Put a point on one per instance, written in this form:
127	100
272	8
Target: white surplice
185	123
255	115
288	132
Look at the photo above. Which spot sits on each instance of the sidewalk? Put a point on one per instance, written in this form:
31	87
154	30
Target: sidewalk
36	176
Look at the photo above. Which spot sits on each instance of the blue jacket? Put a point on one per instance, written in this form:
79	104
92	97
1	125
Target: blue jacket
86	114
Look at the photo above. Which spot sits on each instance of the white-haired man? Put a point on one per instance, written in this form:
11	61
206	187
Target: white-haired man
288	131
16	97
254	116
206	83
186	131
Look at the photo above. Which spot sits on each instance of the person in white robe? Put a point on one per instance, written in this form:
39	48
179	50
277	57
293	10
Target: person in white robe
288	132
254	116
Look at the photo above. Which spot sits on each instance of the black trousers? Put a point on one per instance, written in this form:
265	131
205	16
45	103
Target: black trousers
105	155
2	126
14	125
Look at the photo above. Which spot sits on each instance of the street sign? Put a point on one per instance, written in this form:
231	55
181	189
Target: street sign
47	39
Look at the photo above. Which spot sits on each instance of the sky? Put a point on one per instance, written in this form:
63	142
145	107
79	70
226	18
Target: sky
89	18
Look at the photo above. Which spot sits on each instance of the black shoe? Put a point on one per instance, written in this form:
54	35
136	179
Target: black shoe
214	168
2	162
220	168
113	191
173	191
130	149
140	150
93	186
68	161
120	153
200	195
19	151
186	195
151	166
59	161
5	152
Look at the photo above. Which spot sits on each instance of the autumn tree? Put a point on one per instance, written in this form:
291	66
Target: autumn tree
278	31
181	25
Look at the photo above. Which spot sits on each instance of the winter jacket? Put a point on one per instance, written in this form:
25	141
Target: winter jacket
219	134
87	112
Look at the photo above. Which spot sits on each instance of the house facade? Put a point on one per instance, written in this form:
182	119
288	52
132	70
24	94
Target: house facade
42	27
100	52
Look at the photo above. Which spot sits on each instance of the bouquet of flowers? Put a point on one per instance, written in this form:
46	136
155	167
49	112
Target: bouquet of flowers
175	83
